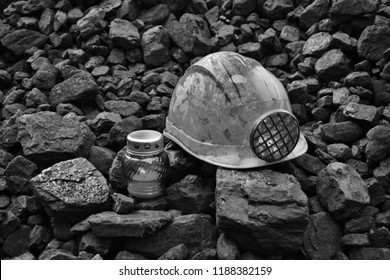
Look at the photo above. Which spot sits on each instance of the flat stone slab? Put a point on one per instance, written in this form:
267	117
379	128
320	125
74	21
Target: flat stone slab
72	189
138	223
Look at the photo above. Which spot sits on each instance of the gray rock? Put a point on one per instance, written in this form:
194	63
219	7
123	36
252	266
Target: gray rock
383	219
344	9
356	79
224	35
227	249
366	114
124	34
191	34
21	40
39	238
322	237
11	110
317	44
5	158
252	49
196	231
381	92
13	96
373	41
277	9
91	243
8	223
340	96
378	146
18	174
359	225
155	204
139	223
342	132
140	97
72	189
65	108
289	34
344	41
370	254
104	121
355	240
339	151
46	21
332	66
342	191
181	165
262	211
46	137
79	88
101	158
57	254
125	255
154	122
310	163
92	23
313	13
35	98
122	204
155	46
190	195
26	256
382	174
23	205
155	15
178	252
123	108
116	178
118	133
17	242
5	79
207	254
74	15
243	7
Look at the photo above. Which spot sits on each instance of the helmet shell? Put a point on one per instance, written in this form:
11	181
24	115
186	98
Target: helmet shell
216	104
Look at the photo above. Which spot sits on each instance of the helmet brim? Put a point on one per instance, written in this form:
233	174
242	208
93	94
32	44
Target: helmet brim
227	156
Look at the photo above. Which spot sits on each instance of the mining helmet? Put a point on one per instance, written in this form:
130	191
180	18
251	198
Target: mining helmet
228	110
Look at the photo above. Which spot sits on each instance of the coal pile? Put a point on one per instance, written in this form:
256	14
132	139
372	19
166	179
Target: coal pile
76	76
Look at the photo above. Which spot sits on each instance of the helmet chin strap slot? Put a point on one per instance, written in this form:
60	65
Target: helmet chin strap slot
274	135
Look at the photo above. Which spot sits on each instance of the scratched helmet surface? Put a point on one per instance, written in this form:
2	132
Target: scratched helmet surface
230	111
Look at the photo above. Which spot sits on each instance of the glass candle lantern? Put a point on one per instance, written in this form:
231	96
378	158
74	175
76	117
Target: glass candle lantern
145	164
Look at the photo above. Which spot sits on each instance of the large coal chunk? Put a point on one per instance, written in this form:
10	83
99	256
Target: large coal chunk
71	190
373	41
332	66
378	146
79	88
191	34
322	237
124	34
196	231
342	191
263	211
345	9
136	224
21	40
46	137
343	132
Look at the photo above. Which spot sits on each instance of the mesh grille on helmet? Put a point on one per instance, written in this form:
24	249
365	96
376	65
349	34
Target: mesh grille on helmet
275	136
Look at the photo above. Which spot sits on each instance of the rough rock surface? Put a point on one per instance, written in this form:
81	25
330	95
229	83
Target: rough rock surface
48	137
342	191
79	88
71	189
21	40
138	223
322	237
196	231
190	195
263	211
